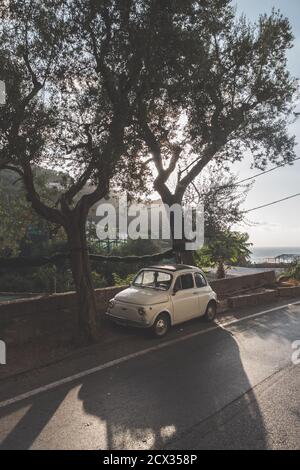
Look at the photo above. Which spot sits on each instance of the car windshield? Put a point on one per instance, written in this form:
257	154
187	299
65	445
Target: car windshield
153	279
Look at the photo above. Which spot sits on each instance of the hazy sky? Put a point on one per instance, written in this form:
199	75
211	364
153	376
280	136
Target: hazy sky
278	225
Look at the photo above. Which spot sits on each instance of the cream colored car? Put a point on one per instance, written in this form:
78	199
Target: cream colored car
161	296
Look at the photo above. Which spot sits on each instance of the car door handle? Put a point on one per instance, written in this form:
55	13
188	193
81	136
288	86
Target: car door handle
195	293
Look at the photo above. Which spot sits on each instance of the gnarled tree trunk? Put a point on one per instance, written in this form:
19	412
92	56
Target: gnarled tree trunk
81	270
221	270
182	256
74	223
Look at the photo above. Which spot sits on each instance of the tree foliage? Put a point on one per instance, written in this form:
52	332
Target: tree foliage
20	224
224	92
222	197
227	247
73	77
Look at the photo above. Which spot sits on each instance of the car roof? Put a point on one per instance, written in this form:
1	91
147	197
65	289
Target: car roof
173	267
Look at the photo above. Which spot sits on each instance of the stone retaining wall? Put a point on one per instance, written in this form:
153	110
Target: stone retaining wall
248	300
55	315
293	291
229	286
49	315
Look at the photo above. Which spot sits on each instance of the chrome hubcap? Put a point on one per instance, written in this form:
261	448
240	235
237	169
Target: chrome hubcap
161	327
211	313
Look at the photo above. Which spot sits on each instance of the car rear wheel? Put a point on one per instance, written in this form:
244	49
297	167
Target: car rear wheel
161	325
211	311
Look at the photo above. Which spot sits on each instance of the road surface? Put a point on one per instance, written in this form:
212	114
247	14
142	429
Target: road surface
233	386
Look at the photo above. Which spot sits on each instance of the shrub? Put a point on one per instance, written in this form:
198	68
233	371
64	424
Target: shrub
294	271
123	281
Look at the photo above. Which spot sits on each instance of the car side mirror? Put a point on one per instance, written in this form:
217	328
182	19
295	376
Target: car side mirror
174	290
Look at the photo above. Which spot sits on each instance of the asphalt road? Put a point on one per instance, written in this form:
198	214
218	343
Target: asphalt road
230	387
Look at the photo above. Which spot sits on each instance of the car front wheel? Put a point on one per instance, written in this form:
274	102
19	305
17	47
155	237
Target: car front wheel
211	311
161	325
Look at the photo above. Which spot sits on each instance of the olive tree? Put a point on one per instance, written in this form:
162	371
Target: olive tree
69	83
73	73
225	92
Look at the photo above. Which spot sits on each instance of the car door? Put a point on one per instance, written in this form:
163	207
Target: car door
203	292
185	300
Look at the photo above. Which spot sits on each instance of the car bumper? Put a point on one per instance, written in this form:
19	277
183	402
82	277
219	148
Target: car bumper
125	322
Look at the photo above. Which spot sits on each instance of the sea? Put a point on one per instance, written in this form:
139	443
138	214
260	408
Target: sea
262	253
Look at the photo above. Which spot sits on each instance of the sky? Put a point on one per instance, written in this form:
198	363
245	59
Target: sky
278	225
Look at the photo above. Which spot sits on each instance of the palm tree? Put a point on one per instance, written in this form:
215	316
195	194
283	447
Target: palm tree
226	247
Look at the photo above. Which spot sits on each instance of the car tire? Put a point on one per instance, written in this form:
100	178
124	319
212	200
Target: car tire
161	325
211	311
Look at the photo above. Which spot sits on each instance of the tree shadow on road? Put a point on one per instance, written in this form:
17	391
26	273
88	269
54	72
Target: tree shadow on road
156	400
29	425
189	395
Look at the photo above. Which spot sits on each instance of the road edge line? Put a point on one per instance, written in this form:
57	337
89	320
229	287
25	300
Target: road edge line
128	357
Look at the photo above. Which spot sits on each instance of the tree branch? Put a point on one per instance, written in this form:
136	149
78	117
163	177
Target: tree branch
24	262
53	215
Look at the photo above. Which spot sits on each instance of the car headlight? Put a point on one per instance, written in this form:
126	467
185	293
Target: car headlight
141	311
111	303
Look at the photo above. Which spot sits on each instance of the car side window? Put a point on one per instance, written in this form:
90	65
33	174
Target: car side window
187	281
163	280
177	285
200	280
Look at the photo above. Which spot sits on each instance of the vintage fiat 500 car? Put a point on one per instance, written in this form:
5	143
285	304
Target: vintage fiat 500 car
162	296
